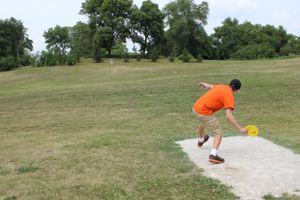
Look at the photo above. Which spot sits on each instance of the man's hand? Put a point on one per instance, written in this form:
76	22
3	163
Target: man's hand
243	130
202	84
231	119
205	85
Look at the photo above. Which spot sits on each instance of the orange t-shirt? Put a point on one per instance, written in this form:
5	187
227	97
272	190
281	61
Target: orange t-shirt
220	96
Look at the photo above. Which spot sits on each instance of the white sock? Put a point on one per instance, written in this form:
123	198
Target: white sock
200	139
214	152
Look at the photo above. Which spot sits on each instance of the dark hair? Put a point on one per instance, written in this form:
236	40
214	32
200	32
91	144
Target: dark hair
235	84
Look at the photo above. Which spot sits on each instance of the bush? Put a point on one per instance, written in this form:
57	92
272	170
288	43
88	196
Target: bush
185	56
97	55
255	51
199	58
53	58
47	58
154	54
119	49
61	58
138	58
171	58
8	63
126	57
286	50
72	60
26	60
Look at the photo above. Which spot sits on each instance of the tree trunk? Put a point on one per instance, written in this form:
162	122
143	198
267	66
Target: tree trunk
144	45
110	45
109	51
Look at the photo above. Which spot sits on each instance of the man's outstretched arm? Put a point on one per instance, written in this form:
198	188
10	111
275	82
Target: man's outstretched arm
205	85
231	119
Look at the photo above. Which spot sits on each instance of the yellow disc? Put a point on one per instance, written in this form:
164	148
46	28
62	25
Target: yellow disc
252	130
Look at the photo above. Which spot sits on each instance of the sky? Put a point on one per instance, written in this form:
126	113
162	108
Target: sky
40	15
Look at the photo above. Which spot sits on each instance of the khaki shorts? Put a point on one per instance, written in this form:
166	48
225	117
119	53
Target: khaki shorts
210	122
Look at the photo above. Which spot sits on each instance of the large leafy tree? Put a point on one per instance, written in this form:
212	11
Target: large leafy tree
81	40
277	37
292	47
227	38
14	40
147	25
109	19
58	38
248	41
15	46
185	20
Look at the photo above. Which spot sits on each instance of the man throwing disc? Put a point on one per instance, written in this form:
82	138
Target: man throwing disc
217	97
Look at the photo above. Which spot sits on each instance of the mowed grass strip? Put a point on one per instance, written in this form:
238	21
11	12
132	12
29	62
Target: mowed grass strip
101	131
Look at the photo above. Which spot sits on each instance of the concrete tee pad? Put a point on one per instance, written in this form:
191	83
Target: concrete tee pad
253	166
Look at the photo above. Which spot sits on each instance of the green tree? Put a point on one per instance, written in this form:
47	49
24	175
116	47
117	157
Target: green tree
186	21
14	40
226	38
147	26
97	47
110	18
81	40
63	45
15	46
277	37
292	47
119	49
58	38
248	41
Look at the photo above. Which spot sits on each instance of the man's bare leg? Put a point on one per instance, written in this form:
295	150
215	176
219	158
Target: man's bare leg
214	158
217	141
202	137
201	131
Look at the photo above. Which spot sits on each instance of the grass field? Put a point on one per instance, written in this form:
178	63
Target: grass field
101	131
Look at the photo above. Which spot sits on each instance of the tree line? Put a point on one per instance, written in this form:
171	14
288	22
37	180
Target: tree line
176	31
15	46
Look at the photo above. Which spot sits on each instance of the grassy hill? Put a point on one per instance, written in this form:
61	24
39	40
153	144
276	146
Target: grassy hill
108	131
